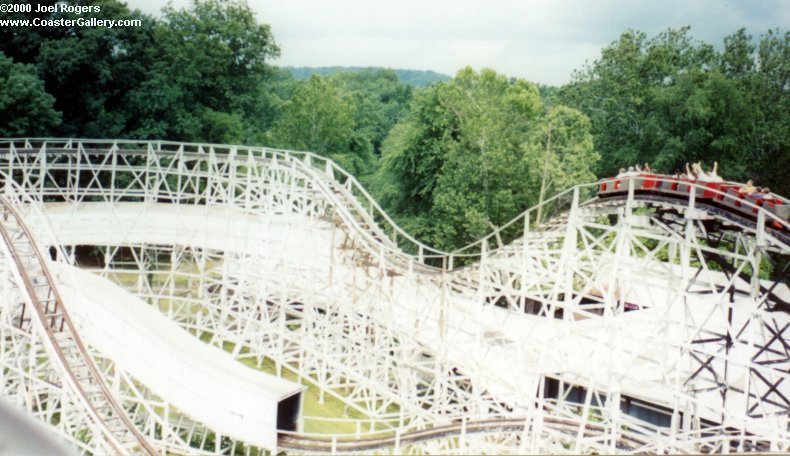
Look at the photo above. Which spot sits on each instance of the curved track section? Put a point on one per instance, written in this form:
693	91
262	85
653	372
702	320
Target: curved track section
588	321
198	380
43	315
463	428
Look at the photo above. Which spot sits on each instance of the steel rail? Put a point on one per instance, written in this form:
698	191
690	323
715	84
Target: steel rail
295	441
327	171
341	197
116	435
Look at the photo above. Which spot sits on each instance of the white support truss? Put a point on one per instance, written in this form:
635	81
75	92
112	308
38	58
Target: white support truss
620	325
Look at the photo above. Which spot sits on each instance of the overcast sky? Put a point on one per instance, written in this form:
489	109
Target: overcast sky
540	40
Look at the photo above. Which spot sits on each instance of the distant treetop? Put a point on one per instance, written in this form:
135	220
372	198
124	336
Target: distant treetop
416	78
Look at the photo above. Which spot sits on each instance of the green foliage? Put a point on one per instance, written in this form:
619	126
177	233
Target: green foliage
25	108
560	152
319	118
379	100
468	157
262	104
217	49
345	116
197	74
89	70
220	127
316	118
22	44
671	100
414	78
209	70
451	159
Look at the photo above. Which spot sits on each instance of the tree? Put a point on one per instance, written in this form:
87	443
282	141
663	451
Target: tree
198	73
89	70
671	100
617	93
467	156
379	100
209	67
480	184
217	49
261	105
22	44
560	152
771	92
318	118
25	108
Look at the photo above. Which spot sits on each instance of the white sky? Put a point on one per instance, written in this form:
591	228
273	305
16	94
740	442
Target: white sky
540	40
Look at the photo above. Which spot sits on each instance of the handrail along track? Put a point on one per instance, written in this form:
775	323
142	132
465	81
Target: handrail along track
70	351
349	202
359	208
494	425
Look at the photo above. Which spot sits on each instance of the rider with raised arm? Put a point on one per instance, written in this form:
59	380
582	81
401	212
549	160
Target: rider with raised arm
747	189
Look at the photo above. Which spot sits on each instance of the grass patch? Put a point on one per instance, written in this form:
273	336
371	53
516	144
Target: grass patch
340	418
332	407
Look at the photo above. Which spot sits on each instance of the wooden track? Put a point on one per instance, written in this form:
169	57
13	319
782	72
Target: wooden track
48	313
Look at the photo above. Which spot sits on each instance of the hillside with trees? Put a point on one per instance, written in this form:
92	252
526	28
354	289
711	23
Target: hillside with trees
416	78
448	157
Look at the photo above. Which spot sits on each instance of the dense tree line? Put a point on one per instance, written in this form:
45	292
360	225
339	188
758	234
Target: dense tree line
196	73
416	78
473	153
449	160
670	99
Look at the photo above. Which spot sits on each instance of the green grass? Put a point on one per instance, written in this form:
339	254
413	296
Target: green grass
312	406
